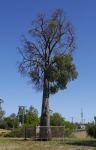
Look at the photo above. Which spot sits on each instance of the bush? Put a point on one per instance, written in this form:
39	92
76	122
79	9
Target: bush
57	120
69	128
91	130
21	132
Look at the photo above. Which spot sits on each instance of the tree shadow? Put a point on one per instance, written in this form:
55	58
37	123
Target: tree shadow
91	143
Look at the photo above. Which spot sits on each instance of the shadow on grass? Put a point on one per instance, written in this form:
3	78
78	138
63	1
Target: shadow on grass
91	143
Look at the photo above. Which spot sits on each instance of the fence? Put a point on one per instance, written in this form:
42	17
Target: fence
57	132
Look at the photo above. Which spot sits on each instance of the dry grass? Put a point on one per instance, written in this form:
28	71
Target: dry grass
80	135
77	143
3	132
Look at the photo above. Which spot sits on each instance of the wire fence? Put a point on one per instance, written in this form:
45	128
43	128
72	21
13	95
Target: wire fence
42	132
57	132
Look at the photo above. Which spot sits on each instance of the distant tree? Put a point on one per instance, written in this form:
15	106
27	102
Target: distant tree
21	114
56	119
47	59
91	130
10	122
14	120
2	112
31	117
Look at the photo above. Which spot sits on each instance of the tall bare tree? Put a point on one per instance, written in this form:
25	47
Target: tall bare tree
47	59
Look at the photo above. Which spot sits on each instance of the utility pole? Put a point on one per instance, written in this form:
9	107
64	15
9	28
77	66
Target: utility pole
81	116
72	119
95	119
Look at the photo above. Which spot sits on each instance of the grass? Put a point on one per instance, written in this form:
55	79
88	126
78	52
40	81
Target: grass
3	132
79	141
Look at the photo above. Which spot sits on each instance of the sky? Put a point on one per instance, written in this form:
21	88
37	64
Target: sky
15	19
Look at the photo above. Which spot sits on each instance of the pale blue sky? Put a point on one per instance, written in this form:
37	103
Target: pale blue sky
15	19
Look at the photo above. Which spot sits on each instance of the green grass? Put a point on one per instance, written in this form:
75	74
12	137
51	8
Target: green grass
79	141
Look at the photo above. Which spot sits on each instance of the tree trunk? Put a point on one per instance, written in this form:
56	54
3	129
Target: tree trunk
45	130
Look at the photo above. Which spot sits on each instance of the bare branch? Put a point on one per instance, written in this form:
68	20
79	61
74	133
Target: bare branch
50	37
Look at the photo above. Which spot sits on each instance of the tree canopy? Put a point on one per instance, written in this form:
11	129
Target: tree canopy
50	50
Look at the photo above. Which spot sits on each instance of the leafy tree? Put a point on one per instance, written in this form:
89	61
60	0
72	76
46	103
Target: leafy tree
56	119
10	122
2	113
31	117
14	120
91	130
21	114
47	58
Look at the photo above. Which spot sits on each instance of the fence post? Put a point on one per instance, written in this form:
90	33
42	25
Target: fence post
25	133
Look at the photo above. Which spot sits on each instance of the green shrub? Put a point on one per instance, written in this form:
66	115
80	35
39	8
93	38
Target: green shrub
21	132
91	130
69	128
56	119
